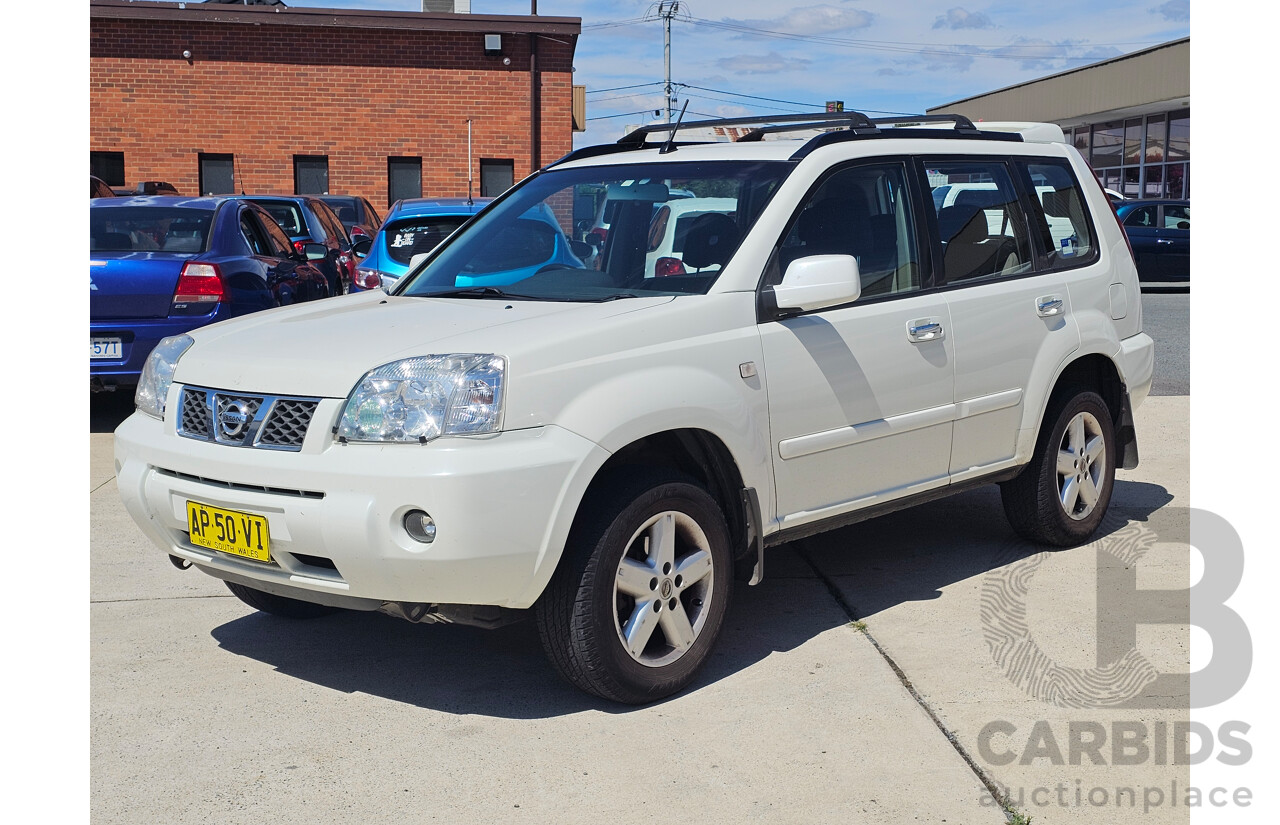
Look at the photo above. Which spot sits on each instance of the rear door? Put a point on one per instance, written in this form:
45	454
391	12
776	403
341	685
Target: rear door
1009	305
1174	242
1142	225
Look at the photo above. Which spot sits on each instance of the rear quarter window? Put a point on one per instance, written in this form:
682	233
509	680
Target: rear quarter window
1059	217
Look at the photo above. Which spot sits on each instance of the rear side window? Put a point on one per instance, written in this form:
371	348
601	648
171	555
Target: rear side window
149	228
1177	217
980	221
1059	216
410	236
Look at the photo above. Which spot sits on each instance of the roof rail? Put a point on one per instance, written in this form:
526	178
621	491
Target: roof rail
836	127
819	120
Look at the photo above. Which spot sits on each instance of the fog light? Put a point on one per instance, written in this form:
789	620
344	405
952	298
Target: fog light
420	526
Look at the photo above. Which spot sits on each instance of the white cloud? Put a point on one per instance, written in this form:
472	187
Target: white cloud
947	60
812	20
770	63
1176	10
959	18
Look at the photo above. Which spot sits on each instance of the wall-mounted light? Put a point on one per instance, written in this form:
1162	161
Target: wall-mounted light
492	45
506	61
186	55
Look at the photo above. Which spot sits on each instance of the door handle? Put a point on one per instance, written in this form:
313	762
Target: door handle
1163	240
922	330
1049	306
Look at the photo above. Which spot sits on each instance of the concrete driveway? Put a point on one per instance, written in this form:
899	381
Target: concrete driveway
858	683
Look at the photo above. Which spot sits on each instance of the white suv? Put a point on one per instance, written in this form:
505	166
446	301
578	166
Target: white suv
608	451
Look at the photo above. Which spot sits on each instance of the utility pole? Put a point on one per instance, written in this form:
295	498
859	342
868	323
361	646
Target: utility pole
666	11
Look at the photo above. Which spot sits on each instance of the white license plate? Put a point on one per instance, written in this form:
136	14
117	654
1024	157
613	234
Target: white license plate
106	348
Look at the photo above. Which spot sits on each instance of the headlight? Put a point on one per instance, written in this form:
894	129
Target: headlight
157	374
419	399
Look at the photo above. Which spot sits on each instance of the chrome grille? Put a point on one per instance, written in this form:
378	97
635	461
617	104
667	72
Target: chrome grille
195	414
286	424
245	420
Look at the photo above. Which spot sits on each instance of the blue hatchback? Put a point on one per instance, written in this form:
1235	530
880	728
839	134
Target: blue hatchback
413	225
160	266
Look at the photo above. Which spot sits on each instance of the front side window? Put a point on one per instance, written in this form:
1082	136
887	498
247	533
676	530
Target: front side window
1059	217
1141	216
980	221
863	211
588	234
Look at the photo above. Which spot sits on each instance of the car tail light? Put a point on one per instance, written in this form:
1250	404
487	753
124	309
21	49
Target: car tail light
300	247
367	279
357	232
600	233
668	266
200	284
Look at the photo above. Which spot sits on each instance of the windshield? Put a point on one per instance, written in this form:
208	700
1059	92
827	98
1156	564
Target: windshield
544	240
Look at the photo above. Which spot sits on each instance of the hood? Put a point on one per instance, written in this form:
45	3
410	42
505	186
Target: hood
323	348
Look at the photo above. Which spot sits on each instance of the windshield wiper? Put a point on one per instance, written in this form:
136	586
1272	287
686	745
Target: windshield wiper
615	296
480	292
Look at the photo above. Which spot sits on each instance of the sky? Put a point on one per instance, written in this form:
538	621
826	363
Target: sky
747	57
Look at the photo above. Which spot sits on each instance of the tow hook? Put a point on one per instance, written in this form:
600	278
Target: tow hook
181	564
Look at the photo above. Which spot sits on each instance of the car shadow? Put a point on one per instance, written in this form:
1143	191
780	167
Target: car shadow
107	410
901	557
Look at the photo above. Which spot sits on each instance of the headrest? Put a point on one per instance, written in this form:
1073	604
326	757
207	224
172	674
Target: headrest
712	238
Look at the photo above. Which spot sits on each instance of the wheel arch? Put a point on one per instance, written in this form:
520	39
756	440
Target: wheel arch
1098	372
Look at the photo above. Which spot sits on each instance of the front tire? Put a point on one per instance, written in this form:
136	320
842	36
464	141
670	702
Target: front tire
279	605
1061	497
641	594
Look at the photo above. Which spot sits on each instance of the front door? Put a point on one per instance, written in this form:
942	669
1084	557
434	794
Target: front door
860	396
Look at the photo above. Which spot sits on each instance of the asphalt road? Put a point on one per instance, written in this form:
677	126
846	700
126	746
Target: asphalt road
1166	317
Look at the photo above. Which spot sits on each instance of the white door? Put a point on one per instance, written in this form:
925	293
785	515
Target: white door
860	396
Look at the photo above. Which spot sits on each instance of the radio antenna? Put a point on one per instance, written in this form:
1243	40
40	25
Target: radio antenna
470	202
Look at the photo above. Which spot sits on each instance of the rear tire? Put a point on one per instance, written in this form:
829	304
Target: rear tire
279	605
1061	497
641	594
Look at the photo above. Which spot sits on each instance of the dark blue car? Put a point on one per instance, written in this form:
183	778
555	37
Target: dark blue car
1160	233
161	266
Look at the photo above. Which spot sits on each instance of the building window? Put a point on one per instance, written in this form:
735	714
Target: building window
310	175
404	179
496	176
109	166
217	174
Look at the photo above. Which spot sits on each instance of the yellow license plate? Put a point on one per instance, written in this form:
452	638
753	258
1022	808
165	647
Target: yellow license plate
229	531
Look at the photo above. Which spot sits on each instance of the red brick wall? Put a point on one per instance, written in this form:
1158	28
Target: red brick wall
268	92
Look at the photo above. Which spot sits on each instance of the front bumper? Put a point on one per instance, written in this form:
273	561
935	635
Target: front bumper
502	503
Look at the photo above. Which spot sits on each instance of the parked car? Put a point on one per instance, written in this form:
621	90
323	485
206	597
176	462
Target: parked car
1160	233
412	226
1114	196
357	215
162	266
98	188
307	219
670	227
604	452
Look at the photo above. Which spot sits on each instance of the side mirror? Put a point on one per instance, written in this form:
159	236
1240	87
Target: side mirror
315	251
360	246
818	282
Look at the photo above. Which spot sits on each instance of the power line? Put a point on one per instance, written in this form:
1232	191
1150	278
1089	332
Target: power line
624	114
620	88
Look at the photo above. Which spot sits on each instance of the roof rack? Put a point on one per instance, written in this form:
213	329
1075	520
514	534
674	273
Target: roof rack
837	127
